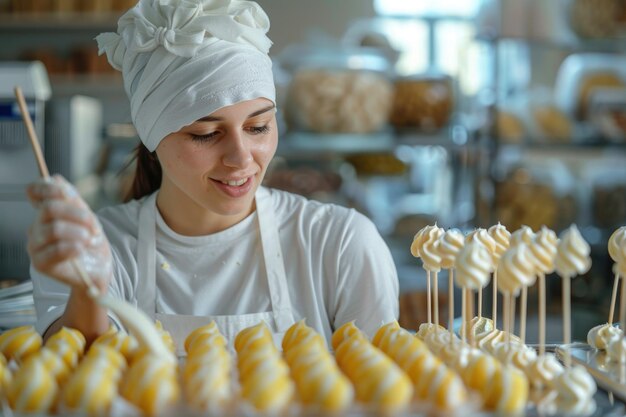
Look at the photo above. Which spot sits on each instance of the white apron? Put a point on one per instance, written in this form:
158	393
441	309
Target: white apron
278	319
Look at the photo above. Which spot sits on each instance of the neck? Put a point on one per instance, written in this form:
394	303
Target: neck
188	218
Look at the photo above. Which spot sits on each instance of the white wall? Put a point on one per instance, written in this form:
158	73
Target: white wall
291	20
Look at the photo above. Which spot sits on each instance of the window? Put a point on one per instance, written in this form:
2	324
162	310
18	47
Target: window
433	35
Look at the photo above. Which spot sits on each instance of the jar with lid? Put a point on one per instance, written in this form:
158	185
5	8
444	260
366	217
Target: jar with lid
337	90
423	101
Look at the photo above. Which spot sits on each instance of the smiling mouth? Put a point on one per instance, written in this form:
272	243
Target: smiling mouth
235	183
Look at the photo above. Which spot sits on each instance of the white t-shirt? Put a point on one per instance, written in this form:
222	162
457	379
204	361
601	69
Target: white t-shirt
337	265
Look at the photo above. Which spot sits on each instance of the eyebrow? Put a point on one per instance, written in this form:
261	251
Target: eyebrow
253	114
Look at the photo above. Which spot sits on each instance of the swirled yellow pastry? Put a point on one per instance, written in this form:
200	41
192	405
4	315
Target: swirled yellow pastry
19	342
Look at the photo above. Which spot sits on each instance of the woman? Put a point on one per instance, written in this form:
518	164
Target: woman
202	239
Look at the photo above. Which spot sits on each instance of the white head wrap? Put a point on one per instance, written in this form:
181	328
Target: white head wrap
184	59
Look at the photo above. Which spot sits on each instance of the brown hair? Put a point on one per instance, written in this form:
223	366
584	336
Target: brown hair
147	178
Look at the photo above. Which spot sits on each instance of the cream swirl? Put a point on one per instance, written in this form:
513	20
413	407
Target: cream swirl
450	244
426	329
474	265
617	350
601	336
437	340
517	354
502	237
488	341
430	249
484	238
543	370
573	254
418	241
480	325
574	384
515	269
522	235
617	241
543	248
182	27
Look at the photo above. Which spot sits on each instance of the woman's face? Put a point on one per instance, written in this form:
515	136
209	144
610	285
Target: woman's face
217	163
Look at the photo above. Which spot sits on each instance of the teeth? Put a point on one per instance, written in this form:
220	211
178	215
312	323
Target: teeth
235	183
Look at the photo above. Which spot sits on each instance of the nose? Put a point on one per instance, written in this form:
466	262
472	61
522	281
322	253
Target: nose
237	153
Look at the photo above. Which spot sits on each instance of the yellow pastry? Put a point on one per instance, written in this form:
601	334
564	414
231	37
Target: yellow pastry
55	364
112	356
120	341
253	336
20	342
91	389
301	333
269	389
443	387
384	331
204	335
508	391
72	336
5	375
66	351
33	388
344	332
206	381
151	384
479	373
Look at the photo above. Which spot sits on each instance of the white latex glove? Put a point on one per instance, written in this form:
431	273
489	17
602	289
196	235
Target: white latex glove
65	228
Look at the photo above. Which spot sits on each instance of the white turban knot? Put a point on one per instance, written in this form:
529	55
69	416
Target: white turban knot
184	59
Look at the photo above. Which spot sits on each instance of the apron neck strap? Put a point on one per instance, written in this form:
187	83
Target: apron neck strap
272	256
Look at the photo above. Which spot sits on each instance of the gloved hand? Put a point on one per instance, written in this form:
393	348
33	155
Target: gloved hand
65	228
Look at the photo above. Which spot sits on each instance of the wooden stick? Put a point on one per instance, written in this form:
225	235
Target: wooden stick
523	305
494	314
436	299
480	302
41	162
567	311
512	315
622	313
542	314
506	313
464	315
613	299
451	303
45	173
428	297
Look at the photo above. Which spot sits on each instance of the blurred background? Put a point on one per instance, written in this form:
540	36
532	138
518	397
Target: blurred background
460	112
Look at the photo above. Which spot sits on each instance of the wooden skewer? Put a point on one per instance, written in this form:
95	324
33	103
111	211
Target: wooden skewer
45	174
451	303
436	301
428	298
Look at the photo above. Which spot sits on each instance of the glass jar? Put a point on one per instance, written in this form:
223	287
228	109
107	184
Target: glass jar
343	90
425	102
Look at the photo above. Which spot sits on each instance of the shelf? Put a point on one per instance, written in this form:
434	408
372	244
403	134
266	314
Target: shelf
58	21
617	44
108	84
309	142
385	141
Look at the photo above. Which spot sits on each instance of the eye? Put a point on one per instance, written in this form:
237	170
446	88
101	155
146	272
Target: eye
260	130
204	138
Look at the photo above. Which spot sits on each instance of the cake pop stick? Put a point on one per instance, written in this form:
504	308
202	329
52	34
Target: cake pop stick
431	259
516	272
450	244
473	264
572	259
416	246
501	236
543	248
617	242
483	237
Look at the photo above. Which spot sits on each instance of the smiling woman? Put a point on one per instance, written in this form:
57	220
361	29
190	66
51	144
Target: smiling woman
199	238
